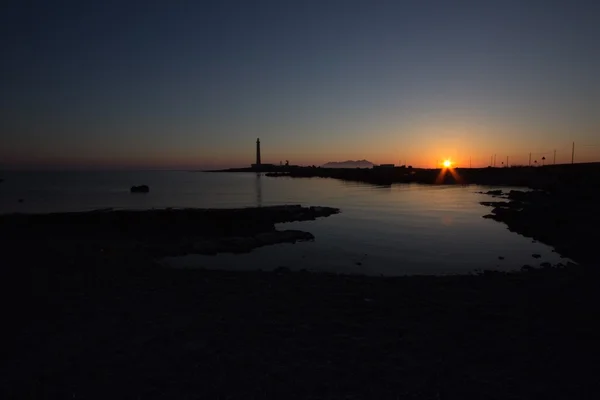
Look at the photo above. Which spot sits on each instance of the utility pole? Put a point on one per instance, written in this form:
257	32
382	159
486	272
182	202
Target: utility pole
530	159
554	163
470	165
491	158
506	161
494	161
573	154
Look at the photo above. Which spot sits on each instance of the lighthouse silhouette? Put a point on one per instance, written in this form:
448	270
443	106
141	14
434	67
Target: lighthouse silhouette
258	152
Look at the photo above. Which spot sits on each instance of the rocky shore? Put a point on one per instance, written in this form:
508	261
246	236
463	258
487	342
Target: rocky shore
161	232
539	177
87	321
106	326
565	218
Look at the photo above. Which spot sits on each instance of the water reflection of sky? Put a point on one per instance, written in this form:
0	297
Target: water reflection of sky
398	229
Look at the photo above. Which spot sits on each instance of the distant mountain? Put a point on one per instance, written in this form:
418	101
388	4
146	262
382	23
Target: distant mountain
349	164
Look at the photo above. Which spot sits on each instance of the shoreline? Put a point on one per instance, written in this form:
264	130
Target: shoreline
161	333
86	323
160	232
538	177
563	218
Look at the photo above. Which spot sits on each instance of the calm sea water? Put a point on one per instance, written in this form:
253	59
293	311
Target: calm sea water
397	230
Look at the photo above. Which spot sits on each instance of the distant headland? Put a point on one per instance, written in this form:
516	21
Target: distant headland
386	174
349	164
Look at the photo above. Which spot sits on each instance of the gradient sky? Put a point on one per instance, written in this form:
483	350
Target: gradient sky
192	84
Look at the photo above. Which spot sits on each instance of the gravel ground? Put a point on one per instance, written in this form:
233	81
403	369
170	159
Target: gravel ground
133	330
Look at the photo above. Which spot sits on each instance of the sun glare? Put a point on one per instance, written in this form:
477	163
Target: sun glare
447	163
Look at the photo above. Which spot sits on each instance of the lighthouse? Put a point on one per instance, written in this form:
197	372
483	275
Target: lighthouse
258	152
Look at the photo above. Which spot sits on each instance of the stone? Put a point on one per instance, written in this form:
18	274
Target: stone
535	255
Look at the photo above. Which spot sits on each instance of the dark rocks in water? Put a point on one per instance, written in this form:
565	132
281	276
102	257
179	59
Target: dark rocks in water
140	189
493	192
561	217
502	213
527	268
234	245
491	273
529	196
495	203
500	258
289	236
546	265
536	255
168	232
21	200
512	205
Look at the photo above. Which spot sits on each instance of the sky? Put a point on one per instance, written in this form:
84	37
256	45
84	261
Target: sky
192	84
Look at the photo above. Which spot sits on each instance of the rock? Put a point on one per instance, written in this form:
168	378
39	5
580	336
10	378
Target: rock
281	270
517	195
21	200
494	192
571	265
546	265
494	203
491	272
238	244
527	268
205	247
500	258
536	255
140	189
289	236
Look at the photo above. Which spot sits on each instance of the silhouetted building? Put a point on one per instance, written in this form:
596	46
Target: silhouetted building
259	166
258	151
384	166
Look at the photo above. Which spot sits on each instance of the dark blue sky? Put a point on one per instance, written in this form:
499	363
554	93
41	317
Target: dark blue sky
192	84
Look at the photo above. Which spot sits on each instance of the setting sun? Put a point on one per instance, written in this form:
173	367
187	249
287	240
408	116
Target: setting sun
447	163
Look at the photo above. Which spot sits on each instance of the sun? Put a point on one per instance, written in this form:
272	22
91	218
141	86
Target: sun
447	163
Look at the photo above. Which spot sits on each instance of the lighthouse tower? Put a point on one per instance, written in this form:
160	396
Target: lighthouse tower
258	152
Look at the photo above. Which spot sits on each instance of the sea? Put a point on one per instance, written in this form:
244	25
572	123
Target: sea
402	229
